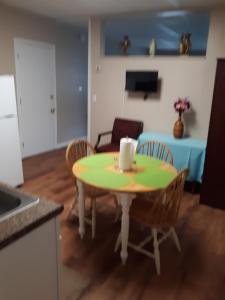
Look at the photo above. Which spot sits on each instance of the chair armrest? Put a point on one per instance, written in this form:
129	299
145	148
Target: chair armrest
99	137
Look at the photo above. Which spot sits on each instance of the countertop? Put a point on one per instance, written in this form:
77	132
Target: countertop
20	224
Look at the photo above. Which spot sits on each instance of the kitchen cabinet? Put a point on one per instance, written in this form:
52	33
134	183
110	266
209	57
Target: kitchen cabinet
30	266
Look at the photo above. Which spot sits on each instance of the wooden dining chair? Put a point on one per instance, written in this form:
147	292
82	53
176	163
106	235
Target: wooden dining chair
121	128
75	151
157	150
160	216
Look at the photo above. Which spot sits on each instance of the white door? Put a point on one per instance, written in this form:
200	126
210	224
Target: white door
35	80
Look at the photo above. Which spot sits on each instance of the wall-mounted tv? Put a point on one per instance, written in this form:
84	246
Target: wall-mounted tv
141	81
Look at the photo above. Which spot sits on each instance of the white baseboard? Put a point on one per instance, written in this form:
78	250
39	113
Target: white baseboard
65	144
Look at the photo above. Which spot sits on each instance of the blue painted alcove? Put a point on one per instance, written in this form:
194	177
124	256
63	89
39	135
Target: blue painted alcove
165	27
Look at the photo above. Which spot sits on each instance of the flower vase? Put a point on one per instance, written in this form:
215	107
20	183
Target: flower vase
152	47
178	129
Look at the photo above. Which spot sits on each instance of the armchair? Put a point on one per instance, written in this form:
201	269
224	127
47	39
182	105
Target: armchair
121	128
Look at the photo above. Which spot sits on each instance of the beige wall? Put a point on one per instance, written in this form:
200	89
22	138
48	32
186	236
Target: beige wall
180	76
71	64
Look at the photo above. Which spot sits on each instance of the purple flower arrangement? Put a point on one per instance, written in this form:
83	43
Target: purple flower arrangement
182	105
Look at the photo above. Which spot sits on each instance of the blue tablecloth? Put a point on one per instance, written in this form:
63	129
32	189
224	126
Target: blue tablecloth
187	152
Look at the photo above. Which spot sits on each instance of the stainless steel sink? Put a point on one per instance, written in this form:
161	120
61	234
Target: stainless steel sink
13	202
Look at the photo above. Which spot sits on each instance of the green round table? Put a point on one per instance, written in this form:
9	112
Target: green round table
101	171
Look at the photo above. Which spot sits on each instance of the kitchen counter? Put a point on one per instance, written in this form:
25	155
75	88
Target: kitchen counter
22	223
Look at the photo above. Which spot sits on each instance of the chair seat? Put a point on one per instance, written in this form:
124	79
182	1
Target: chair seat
109	148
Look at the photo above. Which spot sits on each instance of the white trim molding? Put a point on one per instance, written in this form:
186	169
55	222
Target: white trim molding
89	81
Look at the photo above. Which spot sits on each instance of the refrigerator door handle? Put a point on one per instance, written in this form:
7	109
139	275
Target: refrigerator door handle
7	116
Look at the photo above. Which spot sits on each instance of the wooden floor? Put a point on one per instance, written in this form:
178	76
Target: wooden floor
198	273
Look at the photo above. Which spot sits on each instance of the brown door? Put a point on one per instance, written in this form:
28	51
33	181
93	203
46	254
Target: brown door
213	185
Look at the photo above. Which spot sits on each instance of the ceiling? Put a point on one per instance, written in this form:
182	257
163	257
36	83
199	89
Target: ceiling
71	11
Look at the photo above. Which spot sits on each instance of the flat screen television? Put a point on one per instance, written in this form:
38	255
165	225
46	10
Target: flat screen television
141	81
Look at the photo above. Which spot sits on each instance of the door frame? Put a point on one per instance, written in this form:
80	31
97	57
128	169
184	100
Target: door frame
89	79
18	40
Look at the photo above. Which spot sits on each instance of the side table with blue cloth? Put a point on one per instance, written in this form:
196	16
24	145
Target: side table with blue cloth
187	152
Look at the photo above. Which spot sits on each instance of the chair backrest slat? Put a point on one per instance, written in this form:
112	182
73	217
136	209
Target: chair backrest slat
156	149
77	150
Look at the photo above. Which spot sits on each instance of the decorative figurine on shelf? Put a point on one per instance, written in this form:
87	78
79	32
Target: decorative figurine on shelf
125	44
181	106
152	47
185	43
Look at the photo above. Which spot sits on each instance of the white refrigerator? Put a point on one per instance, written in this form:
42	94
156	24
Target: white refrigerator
11	171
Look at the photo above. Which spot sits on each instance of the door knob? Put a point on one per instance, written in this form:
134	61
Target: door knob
52	110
